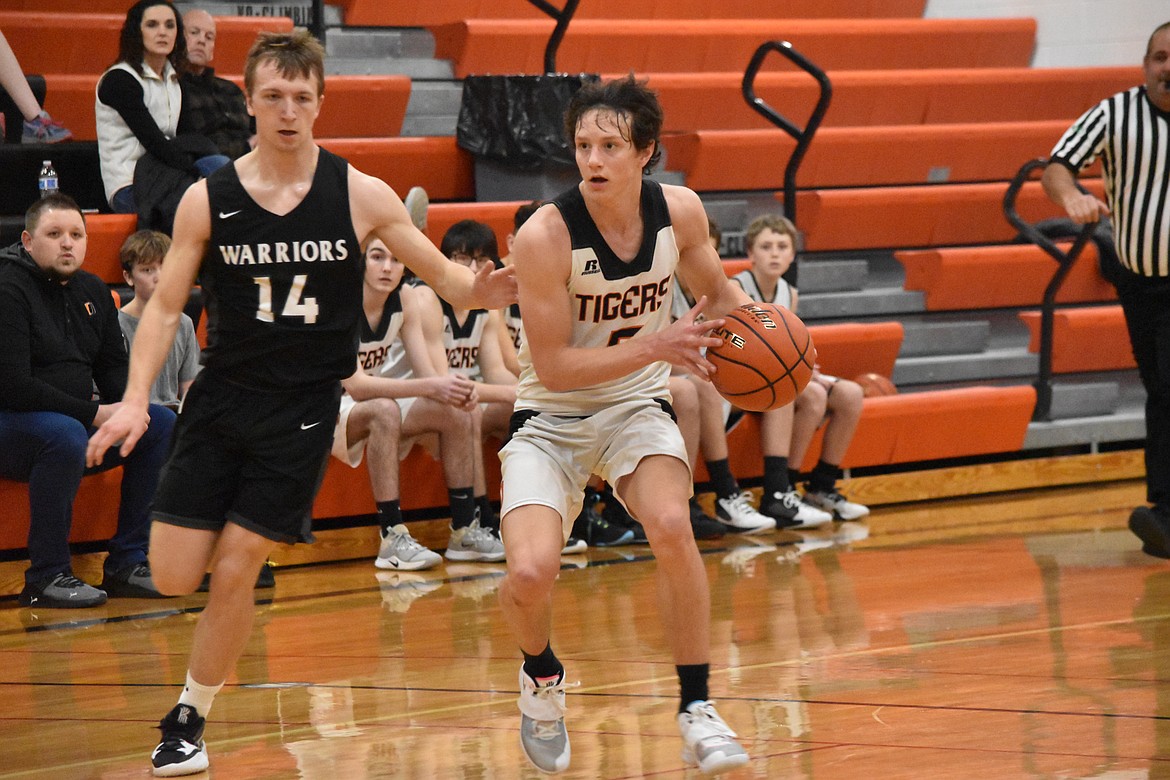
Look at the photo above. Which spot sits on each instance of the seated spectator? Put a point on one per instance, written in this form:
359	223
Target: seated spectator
61	338
34	125
139	101
472	343
212	107
772	244
397	395
142	256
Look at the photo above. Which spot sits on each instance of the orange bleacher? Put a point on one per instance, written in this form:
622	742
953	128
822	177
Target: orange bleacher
717	160
375	13
719	45
88	43
354	107
1085	339
917	216
999	276
435	163
106	232
714	101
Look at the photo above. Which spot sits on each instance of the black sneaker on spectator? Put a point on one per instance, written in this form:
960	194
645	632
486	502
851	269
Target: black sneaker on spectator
835	504
64	591
615	514
789	511
574	546
703	525
181	751
132	582
596	530
266	579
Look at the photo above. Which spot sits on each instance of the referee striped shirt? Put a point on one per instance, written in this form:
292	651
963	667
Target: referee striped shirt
1132	138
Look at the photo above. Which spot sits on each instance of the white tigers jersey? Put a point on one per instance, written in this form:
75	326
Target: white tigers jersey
513	324
462	341
375	347
747	281
612	300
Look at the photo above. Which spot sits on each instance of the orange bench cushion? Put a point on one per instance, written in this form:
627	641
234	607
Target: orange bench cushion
106	233
715	160
659	46
1000	276
714	101
435	163
917	216
1085	339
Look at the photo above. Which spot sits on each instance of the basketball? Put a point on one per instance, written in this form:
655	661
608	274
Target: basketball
874	385
766	357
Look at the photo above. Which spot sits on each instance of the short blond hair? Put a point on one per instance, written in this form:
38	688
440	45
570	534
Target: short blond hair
143	247
295	54
774	222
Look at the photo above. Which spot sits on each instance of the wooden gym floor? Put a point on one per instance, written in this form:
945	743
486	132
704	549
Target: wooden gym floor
1021	635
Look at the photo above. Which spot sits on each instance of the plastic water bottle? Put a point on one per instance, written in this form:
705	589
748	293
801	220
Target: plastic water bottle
47	180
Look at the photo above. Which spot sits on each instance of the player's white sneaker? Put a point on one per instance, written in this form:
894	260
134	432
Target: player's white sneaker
738	514
708	742
474	543
400	551
836	504
542	722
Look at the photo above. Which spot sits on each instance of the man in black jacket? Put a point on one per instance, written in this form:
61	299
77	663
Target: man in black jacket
59	327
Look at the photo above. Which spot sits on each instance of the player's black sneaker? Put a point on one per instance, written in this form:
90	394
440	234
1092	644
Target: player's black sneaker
181	750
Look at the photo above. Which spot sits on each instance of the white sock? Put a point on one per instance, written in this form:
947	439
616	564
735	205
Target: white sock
199	696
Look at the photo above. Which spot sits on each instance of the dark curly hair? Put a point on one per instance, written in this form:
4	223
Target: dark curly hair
130	48
626	96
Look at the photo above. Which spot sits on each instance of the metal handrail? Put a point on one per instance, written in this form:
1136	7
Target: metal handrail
563	17
318	25
1064	260
803	136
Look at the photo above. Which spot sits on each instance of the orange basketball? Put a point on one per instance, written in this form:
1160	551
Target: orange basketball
766	357
873	385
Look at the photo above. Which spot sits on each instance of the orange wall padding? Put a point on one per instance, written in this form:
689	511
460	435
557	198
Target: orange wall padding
595	46
910	216
715	160
1000	276
714	101
88	43
436	163
1085	339
382	13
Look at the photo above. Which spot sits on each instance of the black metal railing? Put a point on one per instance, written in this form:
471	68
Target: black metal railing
803	136
1064	261
563	17
317	25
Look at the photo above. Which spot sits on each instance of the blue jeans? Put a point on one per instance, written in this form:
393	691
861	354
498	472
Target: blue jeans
47	450
123	201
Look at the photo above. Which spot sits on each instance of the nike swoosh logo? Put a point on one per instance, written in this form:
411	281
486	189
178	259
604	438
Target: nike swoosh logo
307	426
223	215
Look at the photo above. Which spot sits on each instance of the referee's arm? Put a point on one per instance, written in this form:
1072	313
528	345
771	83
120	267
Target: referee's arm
1060	185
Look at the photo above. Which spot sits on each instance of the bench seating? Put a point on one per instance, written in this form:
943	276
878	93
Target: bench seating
1092	338
657	46
714	101
106	233
379	13
916	216
354	107
435	163
88	43
1000	276
715	160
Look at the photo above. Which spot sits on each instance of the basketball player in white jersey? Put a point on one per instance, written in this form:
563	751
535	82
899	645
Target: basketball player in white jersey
275	238
381	415
595	269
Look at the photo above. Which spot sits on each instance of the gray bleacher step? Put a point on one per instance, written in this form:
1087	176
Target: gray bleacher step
433	109
367	42
857	304
991	364
300	11
1083	399
824	276
1126	424
922	339
414	67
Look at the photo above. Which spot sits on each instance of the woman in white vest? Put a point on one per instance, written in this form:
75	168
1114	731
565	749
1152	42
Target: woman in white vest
139	100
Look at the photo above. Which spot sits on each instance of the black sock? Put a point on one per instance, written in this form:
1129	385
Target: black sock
793	477
544	665
692	683
462	506
389	515
823	478
722	482
487	516
775	476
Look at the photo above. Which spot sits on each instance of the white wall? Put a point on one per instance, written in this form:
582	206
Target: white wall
1072	32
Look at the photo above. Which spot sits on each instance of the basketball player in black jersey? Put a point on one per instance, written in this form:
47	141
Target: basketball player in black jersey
275	239
595	269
